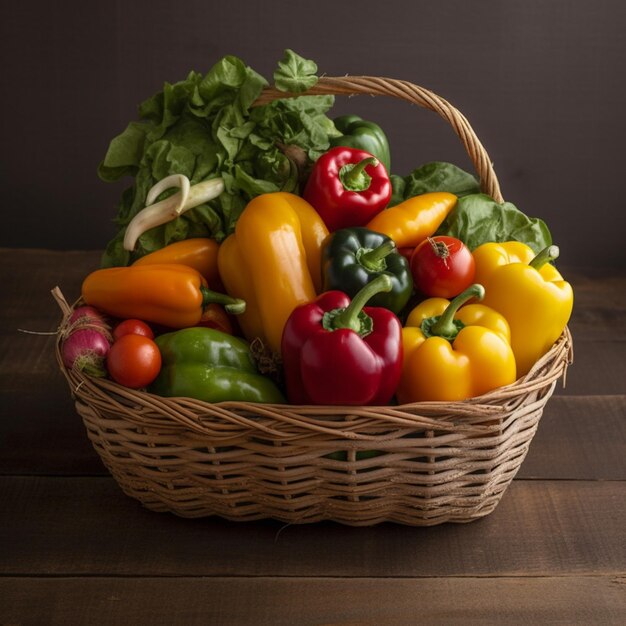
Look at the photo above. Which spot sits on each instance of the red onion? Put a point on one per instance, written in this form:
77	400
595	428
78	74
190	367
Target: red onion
87	342
85	350
85	314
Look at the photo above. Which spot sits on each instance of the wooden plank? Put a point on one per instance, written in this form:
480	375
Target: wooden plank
29	275
599	368
579	437
41	433
313	601
86	526
599	303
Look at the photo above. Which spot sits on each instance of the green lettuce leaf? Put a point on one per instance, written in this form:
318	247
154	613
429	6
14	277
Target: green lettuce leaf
295	74
204	127
435	176
477	219
300	121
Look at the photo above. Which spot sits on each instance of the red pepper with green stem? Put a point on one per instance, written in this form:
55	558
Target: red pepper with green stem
347	187
339	351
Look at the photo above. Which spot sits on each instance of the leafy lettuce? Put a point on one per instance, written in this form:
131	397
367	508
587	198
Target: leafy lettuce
205	127
435	176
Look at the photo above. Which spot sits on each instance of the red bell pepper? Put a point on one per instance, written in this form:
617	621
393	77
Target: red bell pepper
347	187
337	351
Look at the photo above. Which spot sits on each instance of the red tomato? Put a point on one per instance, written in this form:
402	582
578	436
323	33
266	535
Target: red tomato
132	327
442	267
134	361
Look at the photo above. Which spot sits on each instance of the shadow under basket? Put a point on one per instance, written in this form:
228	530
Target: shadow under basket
416	464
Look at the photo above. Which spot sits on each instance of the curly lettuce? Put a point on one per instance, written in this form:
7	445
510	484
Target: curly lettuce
205	126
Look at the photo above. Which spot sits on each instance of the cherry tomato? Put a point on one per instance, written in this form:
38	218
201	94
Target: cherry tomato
442	267
134	361
132	327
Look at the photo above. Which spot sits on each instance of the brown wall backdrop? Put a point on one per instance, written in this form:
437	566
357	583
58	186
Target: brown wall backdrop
541	81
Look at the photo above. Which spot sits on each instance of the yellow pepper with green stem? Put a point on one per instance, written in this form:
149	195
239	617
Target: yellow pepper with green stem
531	294
274	258
454	352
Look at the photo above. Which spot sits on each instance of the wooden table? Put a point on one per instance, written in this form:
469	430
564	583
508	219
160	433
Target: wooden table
75	550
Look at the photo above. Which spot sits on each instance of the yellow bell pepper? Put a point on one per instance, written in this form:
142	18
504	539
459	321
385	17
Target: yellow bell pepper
531	294
237	279
411	221
453	353
274	257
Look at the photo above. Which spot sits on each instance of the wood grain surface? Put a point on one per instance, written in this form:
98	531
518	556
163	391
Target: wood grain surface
75	550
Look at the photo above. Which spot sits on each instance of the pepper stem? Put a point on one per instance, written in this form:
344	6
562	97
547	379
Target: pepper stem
352	316
236	306
373	259
545	256
445	325
353	176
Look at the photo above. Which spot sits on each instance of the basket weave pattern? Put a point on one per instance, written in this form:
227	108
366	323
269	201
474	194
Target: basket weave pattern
417	464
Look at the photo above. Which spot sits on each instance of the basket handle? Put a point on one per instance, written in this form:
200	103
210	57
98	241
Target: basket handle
404	90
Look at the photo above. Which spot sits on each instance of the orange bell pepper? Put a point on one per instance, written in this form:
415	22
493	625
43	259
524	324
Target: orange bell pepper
197	252
172	295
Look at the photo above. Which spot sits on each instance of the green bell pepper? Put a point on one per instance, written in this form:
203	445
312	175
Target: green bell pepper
210	365
363	135
353	257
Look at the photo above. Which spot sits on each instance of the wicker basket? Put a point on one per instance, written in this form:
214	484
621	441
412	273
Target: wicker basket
417	464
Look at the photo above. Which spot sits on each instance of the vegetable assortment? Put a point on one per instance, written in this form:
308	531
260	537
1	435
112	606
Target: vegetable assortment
268	254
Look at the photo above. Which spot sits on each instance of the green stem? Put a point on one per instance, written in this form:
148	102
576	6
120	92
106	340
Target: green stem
445	325
235	306
373	259
352	316
545	256
353	176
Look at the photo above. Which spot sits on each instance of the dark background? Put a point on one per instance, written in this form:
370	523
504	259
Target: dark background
541	82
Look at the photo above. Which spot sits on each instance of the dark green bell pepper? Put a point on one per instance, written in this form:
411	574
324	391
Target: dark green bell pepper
210	365
353	257
363	135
